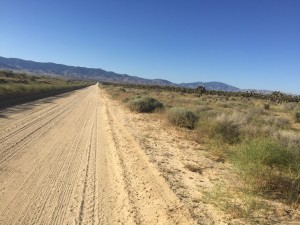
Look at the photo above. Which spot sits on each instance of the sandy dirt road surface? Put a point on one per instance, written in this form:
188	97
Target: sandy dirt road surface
70	160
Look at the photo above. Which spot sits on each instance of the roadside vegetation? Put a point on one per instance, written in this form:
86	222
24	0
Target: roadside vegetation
19	86
182	117
258	135
144	104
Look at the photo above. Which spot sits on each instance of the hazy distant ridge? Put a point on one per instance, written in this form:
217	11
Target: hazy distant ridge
54	69
218	86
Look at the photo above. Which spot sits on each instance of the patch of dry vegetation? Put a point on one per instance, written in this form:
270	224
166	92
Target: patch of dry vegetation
260	140
182	117
19	85
297	116
145	105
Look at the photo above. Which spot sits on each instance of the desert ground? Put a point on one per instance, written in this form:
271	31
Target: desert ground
85	158
69	160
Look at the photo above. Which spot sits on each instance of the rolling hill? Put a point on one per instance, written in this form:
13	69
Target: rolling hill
53	69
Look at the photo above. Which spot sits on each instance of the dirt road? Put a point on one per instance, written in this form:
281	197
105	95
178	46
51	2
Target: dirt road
70	160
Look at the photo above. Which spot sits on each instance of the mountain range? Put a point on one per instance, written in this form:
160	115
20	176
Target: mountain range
53	69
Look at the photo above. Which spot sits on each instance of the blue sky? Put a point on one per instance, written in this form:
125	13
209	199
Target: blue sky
248	44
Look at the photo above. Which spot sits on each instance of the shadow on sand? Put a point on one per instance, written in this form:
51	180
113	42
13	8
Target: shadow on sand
17	105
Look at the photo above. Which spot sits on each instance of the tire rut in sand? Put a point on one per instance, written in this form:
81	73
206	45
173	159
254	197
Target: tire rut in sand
72	161
43	179
149	195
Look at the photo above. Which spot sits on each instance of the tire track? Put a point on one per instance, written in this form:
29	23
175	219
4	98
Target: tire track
41	177
72	161
149	196
10	128
66	175
36	135
27	131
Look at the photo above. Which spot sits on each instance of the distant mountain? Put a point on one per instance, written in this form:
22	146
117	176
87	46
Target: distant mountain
218	86
53	69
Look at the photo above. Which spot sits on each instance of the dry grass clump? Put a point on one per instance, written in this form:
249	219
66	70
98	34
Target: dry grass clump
182	117
290	106
228	127
269	168
297	117
256	112
277	122
288	139
238	206
282	123
194	168
144	104
203	108
254	130
266	106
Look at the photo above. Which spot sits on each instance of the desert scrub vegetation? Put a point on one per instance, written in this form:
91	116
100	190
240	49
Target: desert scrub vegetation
269	168
200	91
228	127
182	117
248	207
144	104
266	106
262	145
18	85
297	116
288	139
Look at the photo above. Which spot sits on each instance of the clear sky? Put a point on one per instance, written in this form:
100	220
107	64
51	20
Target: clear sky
245	43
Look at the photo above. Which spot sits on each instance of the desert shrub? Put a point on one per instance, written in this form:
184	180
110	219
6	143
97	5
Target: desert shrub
297	116
228	131
277	122
202	108
262	152
288	139
227	127
266	106
204	125
269	168
226	104
182	117
256	111
253	131
125	100
290	106
282	123
144	104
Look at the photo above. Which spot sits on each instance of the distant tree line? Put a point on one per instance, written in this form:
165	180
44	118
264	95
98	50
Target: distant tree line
199	91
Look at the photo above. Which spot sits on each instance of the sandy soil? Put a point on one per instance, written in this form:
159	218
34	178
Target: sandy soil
207	185
83	158
71	160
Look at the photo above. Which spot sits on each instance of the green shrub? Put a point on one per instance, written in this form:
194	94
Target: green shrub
144	105
266	106
182	117
269	168
297	116
262	152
